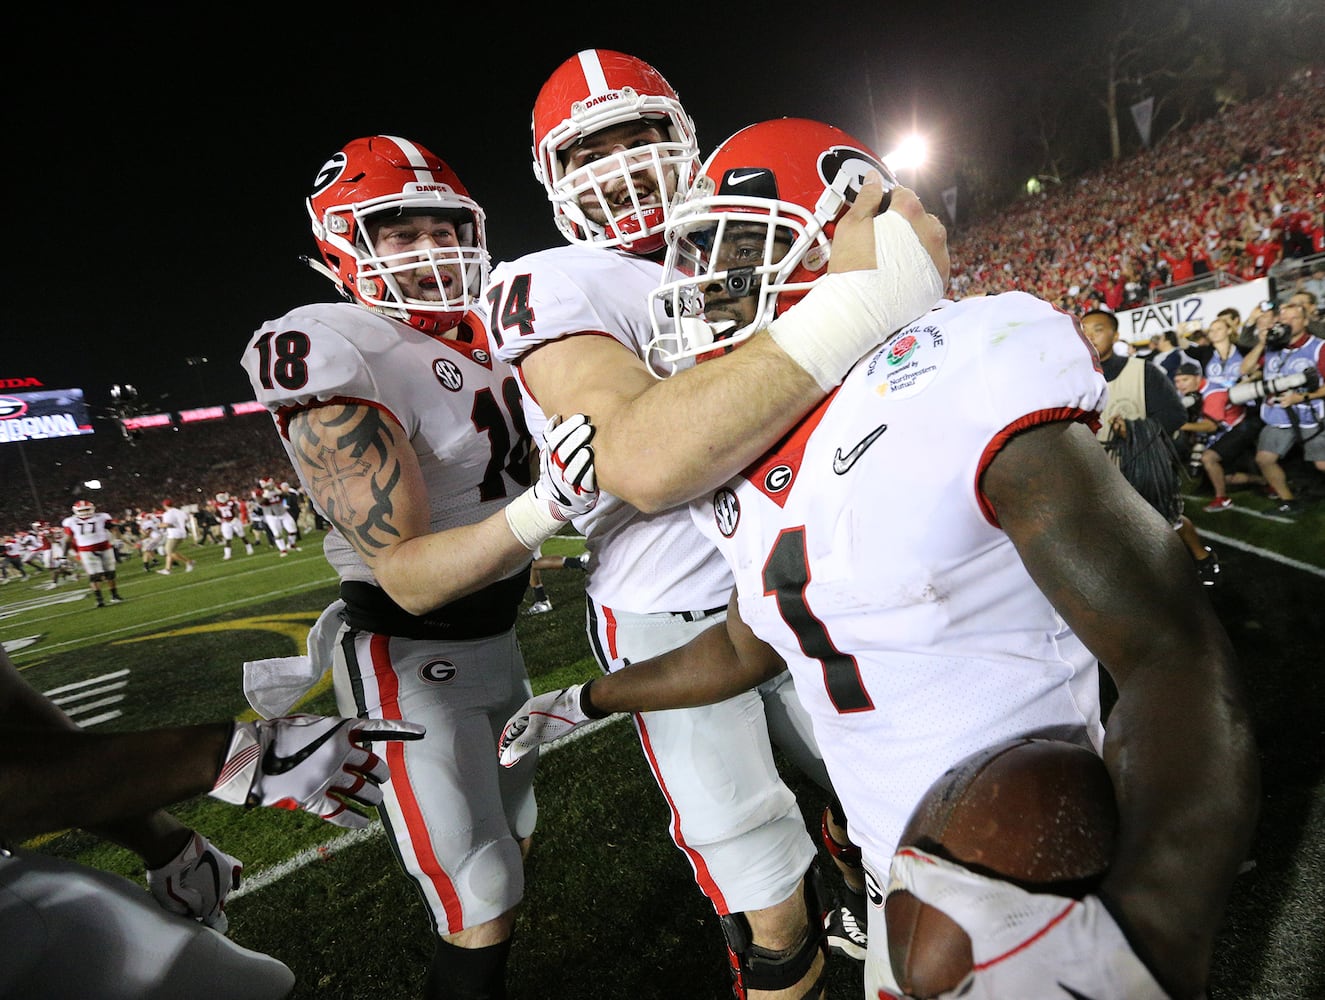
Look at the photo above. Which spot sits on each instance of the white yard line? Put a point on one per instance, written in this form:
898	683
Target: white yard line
1256	550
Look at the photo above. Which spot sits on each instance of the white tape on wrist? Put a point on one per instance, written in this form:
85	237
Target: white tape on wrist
846	314
531	520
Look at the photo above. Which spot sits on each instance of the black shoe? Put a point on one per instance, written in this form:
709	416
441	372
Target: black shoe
1207	569
846	936
1289	508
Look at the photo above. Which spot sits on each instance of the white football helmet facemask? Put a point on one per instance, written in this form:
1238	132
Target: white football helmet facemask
632	189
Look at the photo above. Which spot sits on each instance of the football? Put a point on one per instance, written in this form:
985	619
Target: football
1039	813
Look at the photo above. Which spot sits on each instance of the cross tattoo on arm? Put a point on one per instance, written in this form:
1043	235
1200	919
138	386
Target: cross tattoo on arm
335	447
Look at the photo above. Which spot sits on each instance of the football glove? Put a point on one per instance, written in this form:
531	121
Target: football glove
1027	944
310	762
196	882
566	487
540	720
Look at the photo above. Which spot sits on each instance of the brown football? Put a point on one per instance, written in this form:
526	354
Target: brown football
1039	813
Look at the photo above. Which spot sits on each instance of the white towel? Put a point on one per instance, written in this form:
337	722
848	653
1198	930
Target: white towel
273	686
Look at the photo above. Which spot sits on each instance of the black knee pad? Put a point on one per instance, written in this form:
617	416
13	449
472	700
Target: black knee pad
754	967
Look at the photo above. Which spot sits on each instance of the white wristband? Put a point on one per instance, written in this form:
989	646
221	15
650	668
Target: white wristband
531	520
846	314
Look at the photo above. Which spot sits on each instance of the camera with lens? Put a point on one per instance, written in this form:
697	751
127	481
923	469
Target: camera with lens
1194	459
741	281
1278	337
1307	380
1191	401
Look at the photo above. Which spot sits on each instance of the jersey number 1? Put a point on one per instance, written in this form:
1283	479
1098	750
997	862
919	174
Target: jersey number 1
786	575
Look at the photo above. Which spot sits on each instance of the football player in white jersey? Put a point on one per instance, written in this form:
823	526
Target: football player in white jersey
13	558
39	549
232	526
89	531
279	520
614	148
940	553
151	539
406	433
73	931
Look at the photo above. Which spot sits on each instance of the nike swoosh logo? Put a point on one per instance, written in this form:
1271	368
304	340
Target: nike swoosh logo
842	463
272	763
1073	993
735	179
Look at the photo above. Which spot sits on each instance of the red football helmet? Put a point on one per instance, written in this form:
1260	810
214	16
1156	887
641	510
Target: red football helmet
84	508
756	223
384	175
597	89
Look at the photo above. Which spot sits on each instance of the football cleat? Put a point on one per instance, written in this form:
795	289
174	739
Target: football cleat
539	608
846	937
1219	503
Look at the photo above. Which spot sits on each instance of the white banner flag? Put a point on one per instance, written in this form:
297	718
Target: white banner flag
1141	112
950	203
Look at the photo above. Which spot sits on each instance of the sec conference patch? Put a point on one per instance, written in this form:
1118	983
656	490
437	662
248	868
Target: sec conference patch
726	511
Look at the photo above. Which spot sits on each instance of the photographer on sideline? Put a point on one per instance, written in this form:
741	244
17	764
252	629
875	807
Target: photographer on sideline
1286	349
1138	428
1202	421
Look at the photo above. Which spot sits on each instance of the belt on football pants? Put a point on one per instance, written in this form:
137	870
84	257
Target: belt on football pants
695	616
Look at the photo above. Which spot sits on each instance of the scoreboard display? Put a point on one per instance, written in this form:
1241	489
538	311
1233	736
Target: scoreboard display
42	414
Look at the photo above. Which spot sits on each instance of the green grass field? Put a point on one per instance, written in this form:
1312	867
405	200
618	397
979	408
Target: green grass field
611	910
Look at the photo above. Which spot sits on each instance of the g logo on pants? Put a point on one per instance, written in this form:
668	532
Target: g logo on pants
437	671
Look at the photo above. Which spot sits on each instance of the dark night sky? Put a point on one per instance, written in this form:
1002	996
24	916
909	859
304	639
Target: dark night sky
161	166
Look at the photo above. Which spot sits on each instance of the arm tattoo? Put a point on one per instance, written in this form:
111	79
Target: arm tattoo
336	445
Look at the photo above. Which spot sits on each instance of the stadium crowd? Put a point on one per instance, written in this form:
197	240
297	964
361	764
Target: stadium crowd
1236	193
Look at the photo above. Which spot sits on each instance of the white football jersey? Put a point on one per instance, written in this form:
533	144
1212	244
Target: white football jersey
90	534
642	563
458	405
272	506
867	557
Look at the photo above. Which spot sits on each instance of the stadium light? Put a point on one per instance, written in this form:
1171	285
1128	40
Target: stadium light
910	154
